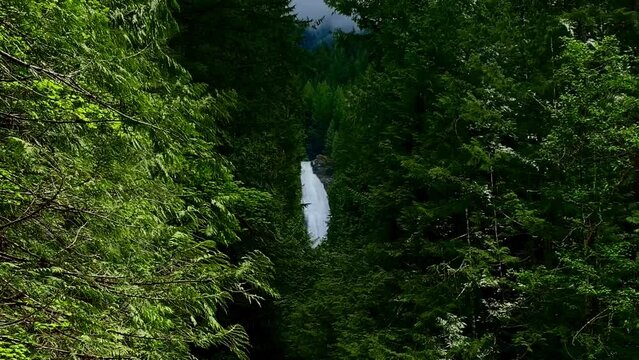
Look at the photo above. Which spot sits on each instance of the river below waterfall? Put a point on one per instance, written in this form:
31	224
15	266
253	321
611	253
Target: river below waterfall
315	201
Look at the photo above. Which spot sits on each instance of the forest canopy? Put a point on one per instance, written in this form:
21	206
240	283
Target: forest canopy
483	164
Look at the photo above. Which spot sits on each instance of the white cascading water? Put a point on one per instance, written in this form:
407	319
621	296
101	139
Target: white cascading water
315	201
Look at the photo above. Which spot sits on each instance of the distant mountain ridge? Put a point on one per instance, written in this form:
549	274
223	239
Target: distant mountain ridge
322	34
325	22
316	36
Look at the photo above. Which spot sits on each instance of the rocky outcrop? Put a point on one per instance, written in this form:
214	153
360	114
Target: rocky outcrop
323	169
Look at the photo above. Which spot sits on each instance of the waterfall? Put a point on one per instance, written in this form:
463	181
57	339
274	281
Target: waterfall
315	201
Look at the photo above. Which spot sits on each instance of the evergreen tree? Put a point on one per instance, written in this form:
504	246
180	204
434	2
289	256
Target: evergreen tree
116	208
251	48
483	191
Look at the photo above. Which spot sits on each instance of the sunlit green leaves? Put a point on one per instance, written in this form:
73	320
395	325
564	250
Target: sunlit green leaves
115	205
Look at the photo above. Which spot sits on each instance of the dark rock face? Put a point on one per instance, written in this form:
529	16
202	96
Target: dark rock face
323	169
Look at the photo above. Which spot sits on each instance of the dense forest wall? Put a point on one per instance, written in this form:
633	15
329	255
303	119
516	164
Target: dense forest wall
124	230
483	192
484	187
252	48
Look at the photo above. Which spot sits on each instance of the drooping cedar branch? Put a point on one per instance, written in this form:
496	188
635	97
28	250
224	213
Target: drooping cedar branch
70	82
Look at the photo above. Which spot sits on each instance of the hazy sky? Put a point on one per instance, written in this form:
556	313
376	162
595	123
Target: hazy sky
315	9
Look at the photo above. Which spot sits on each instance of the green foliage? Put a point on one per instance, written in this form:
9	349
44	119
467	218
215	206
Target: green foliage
326	109
13	351
251	47
483	203
116	209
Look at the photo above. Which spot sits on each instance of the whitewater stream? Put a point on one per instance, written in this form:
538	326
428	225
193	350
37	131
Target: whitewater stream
315	201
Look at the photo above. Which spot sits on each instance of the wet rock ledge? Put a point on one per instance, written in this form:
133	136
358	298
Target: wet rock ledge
323	169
